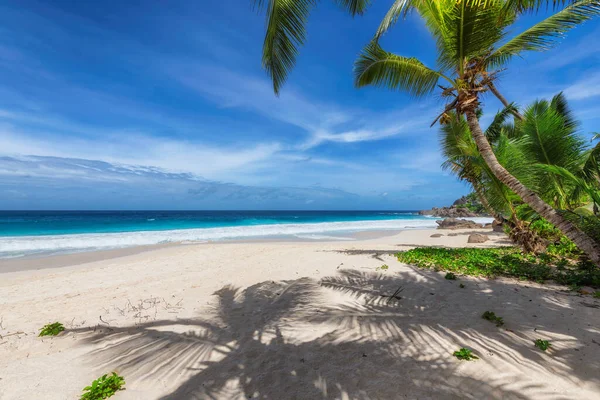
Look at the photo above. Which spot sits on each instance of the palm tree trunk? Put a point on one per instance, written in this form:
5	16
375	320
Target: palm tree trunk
583	241
503	99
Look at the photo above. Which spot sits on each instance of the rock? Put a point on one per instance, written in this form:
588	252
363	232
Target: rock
436	235
450	212
477	238
497	226
453	223
462	201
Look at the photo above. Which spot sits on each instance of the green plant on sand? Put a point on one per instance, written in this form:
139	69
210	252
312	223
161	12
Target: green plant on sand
492	317
103	387
450	276
465	354
384	267
542	344
51	329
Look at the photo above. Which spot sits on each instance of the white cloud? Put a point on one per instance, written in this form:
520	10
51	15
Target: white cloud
587	87
323	122
141	149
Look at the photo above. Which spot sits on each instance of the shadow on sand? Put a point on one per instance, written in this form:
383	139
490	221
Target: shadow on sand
343	338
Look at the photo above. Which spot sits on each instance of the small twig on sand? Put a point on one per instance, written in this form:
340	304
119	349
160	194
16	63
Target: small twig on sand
395	295
12	334
103	320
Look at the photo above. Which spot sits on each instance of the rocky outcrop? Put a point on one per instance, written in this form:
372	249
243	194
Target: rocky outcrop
478	238
465	207
450	212
461	202
436	235
453	223
497	226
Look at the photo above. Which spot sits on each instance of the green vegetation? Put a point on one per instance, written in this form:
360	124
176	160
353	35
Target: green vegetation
597	294
542	344
103	387
536	160
465	354
51	329
492	317
450	276
384	267
505	261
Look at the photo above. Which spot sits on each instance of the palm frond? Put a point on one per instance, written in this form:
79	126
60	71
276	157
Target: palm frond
549	137
354	7
544	35
578	181
398	9
378	67
498	125
464	30
286	31
523	6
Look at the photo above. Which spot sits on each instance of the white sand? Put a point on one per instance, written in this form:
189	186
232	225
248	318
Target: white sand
291	321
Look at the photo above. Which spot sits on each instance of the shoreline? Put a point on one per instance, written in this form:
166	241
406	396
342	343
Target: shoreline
50	261
36	246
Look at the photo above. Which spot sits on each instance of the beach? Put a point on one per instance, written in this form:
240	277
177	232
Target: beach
290	320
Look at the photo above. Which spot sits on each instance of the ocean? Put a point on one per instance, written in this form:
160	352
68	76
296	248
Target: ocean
25	233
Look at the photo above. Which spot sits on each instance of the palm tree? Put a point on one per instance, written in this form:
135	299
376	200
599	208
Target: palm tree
471	46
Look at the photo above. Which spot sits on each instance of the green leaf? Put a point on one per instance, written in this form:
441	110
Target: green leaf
377	67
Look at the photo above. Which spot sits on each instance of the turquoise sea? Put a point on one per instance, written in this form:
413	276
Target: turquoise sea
25	233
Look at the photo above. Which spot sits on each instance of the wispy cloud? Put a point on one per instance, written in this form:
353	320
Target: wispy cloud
69	180
323	122
585	88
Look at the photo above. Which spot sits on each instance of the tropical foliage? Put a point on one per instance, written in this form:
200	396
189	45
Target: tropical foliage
545	152
473	46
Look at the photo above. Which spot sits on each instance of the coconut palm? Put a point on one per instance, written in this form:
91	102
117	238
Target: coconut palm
472	48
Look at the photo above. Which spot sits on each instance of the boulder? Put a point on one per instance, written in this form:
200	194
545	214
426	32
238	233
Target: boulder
436	235
497	226
453	223
477	238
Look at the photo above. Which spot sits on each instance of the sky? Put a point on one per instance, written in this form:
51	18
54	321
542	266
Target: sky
164	105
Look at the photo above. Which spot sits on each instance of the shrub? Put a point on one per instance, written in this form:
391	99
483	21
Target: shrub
51	329
492	317
103	387
597	294
450	276
465	354
542	344
504	261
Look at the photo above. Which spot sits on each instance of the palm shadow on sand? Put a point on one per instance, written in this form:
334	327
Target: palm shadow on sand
287	340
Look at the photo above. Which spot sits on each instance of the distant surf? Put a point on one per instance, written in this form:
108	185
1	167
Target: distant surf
234	226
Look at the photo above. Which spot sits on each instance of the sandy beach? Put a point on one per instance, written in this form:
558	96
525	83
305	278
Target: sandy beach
289	320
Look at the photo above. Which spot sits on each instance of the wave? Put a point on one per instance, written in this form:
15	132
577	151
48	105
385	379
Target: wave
16	246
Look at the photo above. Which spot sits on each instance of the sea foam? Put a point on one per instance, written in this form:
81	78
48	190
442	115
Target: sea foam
17	246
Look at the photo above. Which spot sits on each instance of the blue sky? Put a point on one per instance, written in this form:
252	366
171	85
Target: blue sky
163	105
